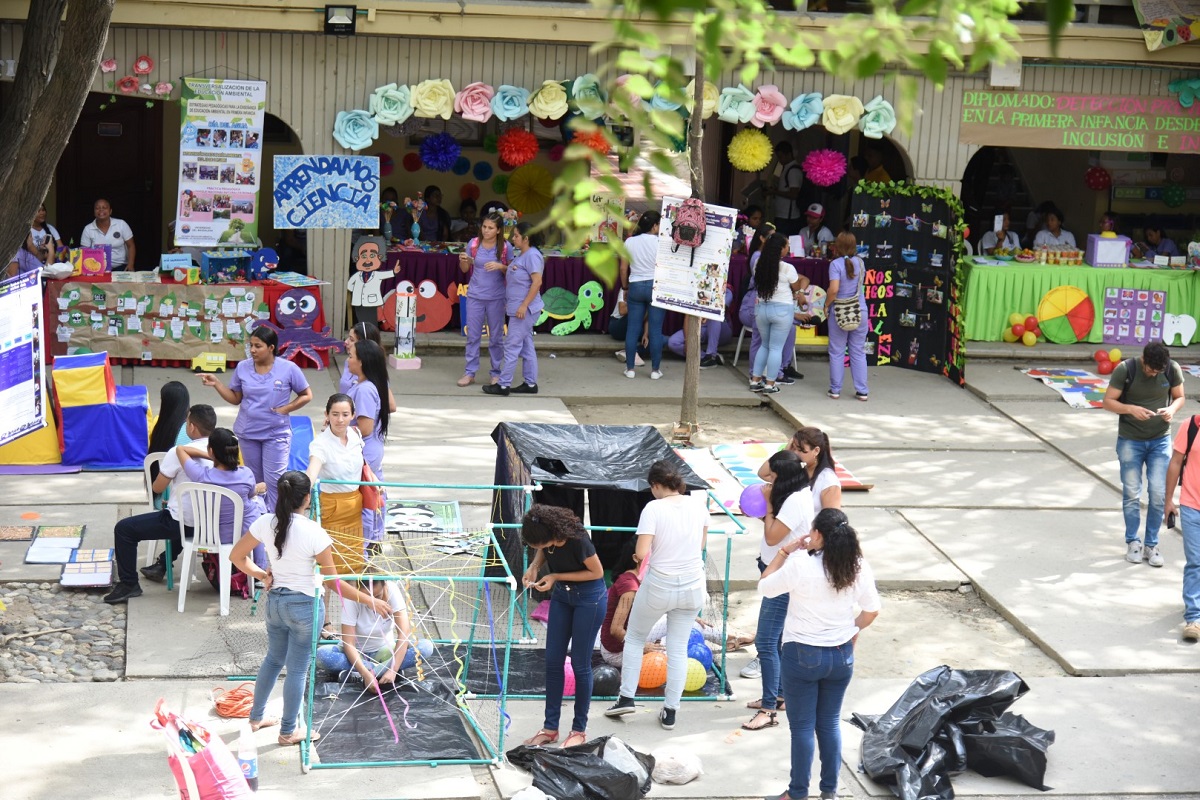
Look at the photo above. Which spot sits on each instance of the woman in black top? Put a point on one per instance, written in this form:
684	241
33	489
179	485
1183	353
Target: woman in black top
578	600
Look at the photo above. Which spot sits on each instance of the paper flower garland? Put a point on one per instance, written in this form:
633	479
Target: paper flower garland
660	101
1187	89
549	102
439	152
750	150
108	65
841	113
391	104
736	104
482	170
163	88
879	119
143	66
433	98
128	84
355	130
588	96
510	102
769	105
474	102
803	112
595	140
146	89
411	162
633	98
500	184
1098	179
517	146
824	167
711	98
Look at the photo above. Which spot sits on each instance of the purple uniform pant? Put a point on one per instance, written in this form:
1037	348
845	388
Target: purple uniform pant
267	459
839	342
714	335
519	344
479	314
372	520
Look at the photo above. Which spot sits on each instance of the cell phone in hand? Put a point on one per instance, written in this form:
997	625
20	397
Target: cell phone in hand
1171	520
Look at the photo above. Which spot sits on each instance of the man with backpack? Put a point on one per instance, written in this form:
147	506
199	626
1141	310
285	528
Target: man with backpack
1189	519
1146	393
789	214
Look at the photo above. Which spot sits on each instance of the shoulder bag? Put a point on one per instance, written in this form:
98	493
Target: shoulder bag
847	312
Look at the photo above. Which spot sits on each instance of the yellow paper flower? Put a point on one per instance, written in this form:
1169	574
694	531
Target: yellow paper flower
712	95
433	98
841	113
750	150
549	102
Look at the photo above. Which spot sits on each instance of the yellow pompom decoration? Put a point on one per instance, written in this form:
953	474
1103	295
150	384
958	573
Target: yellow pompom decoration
750	150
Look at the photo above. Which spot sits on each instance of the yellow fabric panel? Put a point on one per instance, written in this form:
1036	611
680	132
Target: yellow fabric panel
39	447
81	387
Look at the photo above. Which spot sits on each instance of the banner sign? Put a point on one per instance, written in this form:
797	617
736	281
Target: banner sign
21	357
220	161
326	192
1166	23
693	282
1079	122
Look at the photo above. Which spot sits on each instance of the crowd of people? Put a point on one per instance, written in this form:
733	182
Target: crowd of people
44	244
1044	228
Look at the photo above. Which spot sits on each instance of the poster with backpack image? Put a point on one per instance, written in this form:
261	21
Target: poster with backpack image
694	243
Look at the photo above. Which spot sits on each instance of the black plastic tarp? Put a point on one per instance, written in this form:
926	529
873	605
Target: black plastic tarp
580	772
948	720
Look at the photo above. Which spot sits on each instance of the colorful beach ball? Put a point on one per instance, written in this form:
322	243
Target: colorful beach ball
1066	315
697	676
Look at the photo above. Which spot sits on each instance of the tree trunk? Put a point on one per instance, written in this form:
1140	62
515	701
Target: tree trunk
689	411
59	58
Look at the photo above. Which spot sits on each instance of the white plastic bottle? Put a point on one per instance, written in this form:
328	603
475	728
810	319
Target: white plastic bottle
247	756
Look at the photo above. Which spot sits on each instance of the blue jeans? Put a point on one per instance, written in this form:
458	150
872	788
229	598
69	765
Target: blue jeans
332	657
767	639
814	683
1154	455
1190	518
637	299
289	644
774	322
576	614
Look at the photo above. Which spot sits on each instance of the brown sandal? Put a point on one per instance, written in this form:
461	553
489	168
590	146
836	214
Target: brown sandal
757	704
295	737
770	723
542	738
576	738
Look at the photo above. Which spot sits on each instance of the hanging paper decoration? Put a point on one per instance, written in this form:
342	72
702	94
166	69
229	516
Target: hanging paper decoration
841	113
143	66
391	104
386	164
469	191
474	102
593	139
1174	195
549	102
129	85
769	105
879	118
108	65
1097	178
439	152
412	162
510	102
556	152
433	98
462	166
163	88
482	171
517	146
803	112
489	143
500	184
588	96
530	189
824	167
750	150
621	92
736	104
711	98
1187	89
355	130
146	89
660	100
505	166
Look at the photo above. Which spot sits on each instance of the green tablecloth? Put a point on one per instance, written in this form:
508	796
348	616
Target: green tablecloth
993	293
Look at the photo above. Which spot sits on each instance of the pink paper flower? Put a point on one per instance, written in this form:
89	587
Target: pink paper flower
146	89
769	105
163	88
474	102
824	167
143	66
108	65
128	85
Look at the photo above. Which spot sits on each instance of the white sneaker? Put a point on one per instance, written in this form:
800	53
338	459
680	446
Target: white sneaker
1153	557
1133	551
656	374
752	670
630	373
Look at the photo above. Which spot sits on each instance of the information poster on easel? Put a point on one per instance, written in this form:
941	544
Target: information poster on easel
22	360
692	280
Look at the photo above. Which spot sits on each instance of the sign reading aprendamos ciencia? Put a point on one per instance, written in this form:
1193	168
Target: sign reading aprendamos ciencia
1079	122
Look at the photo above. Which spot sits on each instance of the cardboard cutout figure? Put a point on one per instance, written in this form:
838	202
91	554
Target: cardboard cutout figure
366	284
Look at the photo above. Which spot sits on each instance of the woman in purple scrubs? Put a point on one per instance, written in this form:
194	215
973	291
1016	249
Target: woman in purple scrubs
262	388
523	302
363	330
486	258
369	365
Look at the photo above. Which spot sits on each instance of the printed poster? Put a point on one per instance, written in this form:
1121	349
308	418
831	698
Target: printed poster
326	192
611	210
694	282
21	357
1133	316
220	161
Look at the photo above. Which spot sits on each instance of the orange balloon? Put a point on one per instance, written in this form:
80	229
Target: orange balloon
654	671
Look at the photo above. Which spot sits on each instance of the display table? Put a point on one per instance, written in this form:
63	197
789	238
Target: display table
993	293
571	273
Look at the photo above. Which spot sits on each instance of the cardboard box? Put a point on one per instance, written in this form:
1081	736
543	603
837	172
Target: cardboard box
1107	251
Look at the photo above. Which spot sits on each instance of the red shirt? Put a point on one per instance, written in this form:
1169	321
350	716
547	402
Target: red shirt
626	582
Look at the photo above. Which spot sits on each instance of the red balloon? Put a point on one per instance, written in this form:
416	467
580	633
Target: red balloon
1037	331
1031	322
1105	367
1018	330
1100	355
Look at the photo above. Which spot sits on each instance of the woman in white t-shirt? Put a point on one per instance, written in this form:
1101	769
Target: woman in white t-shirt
1053	235
812	445
44	236
637	281
672	532
295	545
107	229
831	598
776	282
788	519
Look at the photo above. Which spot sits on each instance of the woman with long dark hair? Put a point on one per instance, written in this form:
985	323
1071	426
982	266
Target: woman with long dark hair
367	363
170	428
812	445
523	303
788	518
845	282
295	545
486	258
776	282
434	220
824	587
575	579
227	473
360	331
637	281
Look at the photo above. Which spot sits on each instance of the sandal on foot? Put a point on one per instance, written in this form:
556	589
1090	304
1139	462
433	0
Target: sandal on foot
576	738
295	737
327	632
265	722
757	704
770	723
466	380
542	738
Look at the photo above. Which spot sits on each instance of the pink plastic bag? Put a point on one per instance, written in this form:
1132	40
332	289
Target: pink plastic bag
542	612
212	773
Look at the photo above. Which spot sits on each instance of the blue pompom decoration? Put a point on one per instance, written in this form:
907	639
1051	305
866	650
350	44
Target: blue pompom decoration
483	170
695	637
701	653
440	152
462	166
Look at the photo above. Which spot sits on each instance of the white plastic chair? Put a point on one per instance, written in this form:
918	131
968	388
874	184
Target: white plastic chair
206	501
153	458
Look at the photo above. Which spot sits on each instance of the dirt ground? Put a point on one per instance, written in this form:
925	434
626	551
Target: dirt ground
916	630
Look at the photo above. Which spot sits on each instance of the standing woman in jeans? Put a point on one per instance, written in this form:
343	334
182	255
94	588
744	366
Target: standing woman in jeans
295	545
845	281
637	280
818	639
671	535
575	580
776	282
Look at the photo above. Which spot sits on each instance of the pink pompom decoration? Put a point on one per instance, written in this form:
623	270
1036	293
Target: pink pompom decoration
769	105
556	152
824	167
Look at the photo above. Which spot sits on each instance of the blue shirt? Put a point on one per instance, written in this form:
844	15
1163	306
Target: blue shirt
520	279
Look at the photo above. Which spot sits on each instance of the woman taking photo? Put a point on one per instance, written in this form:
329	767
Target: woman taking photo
845	283
262	388
362	330
487	259
575	580
368	365
45	236
671	534
294	545
818	639
637	281
789	518
523	302
776	282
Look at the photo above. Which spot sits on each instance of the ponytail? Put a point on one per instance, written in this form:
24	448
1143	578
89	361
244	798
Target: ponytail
223	445
294	487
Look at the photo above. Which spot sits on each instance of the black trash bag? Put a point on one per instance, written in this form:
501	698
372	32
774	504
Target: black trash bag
580	772
951	738
1010	746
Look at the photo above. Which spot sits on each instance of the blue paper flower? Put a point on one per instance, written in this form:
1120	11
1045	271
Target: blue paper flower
482	171
659	101
355	130
736	104
510	102
1187	89
588	96
804	111
440	152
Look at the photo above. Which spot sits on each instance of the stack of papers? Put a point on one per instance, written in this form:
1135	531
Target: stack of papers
90	571
54	544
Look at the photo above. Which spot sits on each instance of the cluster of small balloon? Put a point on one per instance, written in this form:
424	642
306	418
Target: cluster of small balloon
1023	329
1106	360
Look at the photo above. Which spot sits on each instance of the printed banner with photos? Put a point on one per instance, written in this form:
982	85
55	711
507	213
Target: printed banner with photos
692	280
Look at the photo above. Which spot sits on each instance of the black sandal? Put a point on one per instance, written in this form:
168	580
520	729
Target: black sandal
770	723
